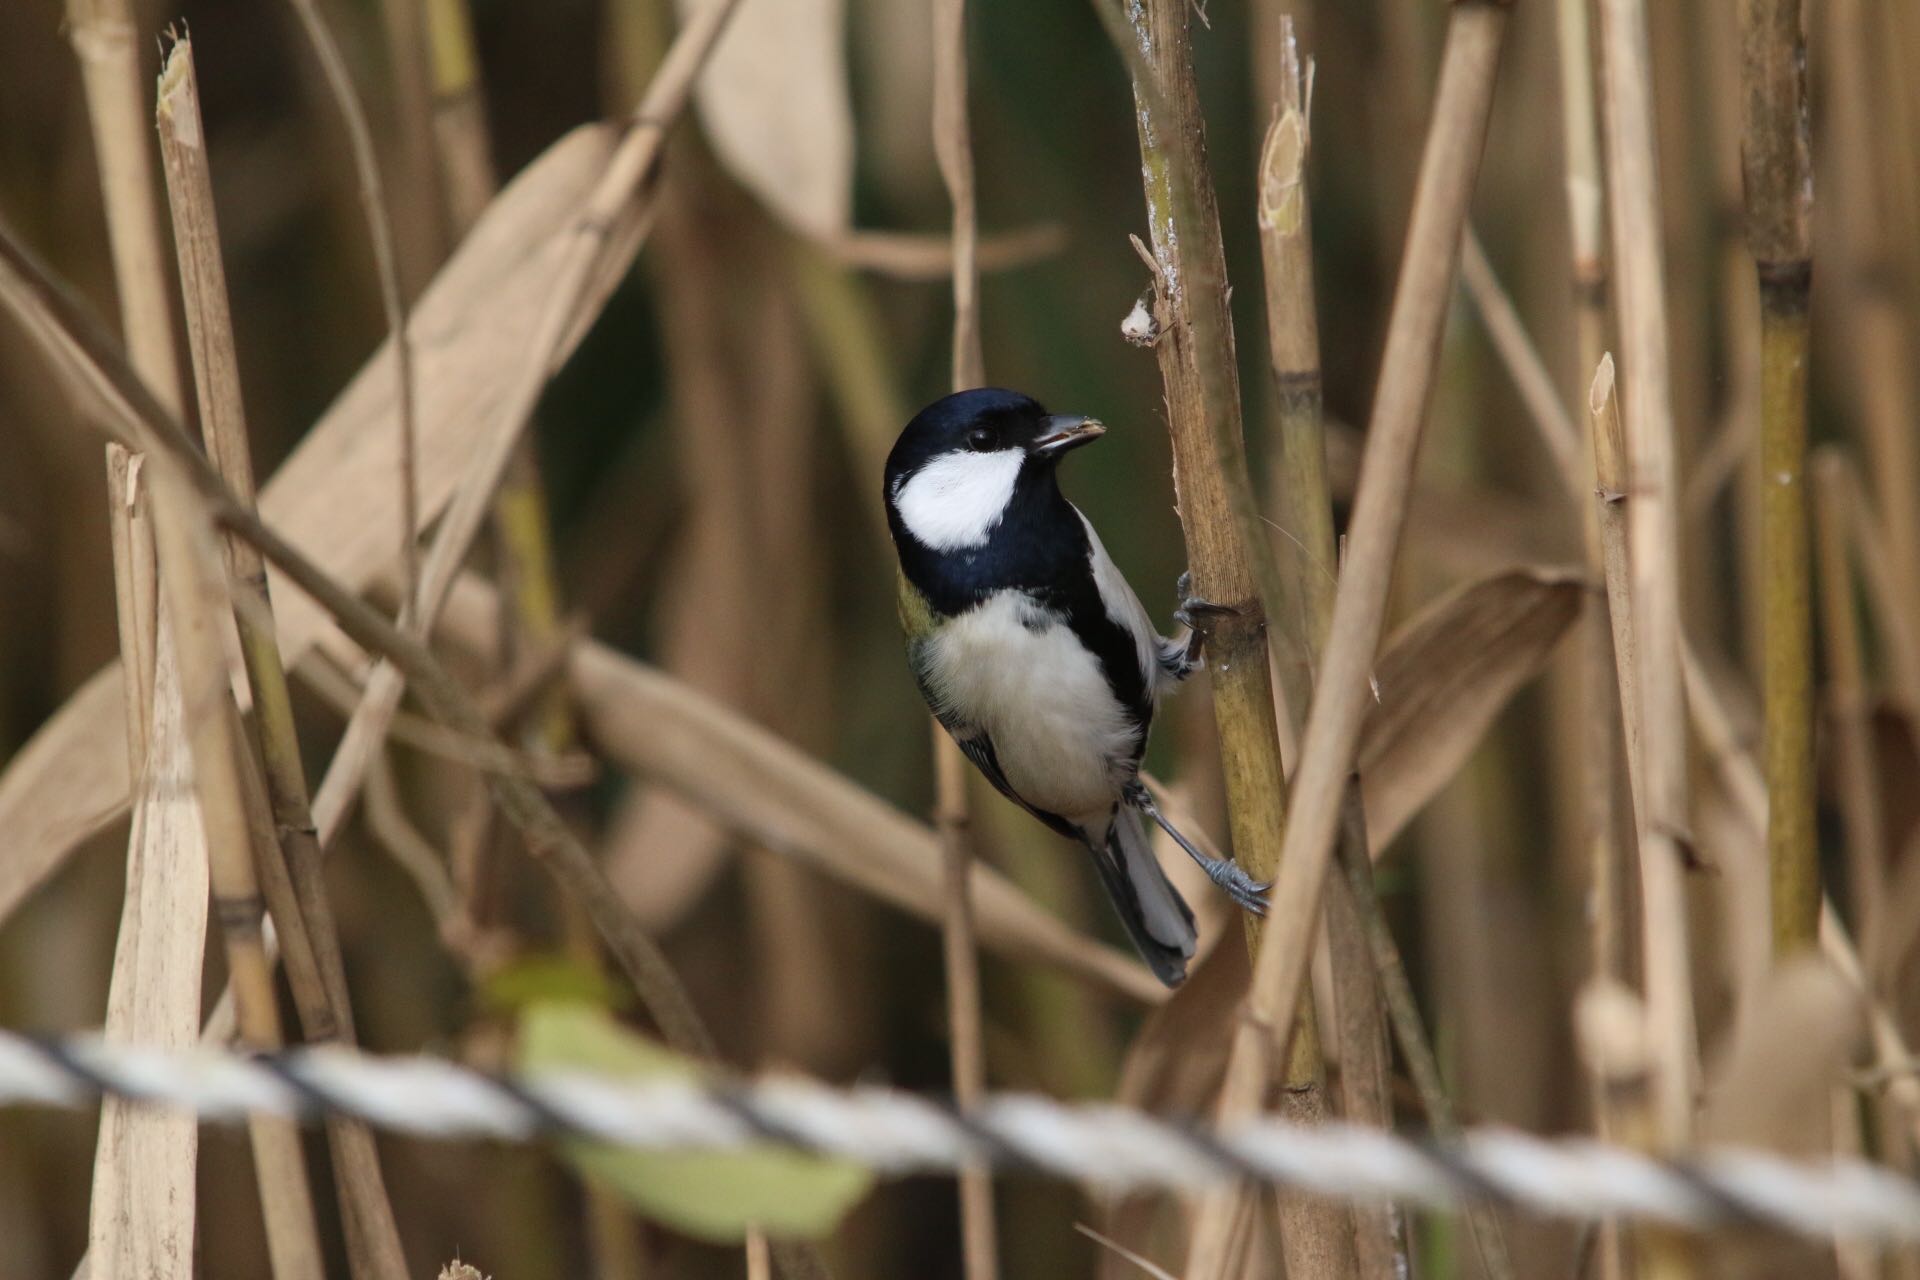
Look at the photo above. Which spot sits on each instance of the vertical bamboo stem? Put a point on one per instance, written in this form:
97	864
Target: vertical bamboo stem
1599	698
1232	564
1448	169
305	917
1779	190
953	150
1307	583
1653	533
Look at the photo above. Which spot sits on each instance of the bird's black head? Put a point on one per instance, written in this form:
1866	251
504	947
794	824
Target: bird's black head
962	459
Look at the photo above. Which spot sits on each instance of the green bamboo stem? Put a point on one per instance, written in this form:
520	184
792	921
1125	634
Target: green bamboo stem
1230	558
1779	190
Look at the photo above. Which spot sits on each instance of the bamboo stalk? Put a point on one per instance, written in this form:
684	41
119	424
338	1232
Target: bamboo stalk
1307	583
1633	200
1848	707
1779	187
1448	168
316	970
1230	559
953	150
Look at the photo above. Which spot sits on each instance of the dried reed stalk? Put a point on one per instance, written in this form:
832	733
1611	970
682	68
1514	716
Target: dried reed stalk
1342	697
105	43
619	201
316	970
1776	158
193	581
953	150
1307	582
1610	507
1848	706
1633	205
1228	554
1603	623
142	1209
379	216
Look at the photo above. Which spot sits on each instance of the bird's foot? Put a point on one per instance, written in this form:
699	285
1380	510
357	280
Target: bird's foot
1198	616
1232	878
1248	893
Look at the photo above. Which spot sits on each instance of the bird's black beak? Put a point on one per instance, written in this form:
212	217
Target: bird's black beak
1067	431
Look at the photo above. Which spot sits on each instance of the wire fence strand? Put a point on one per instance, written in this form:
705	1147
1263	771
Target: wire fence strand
896	1133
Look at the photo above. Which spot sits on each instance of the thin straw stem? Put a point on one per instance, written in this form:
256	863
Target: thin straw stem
1633	197
953	150
104	36
379	216
1307	584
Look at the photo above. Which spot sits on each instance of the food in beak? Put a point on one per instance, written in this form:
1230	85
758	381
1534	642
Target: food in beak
1067	432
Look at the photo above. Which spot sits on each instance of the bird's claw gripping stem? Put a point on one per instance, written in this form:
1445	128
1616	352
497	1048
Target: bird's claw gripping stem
1198	616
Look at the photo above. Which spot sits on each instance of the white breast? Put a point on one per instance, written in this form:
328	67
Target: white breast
956	500
1013	668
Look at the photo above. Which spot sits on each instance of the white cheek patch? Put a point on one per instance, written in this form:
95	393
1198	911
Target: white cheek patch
956	500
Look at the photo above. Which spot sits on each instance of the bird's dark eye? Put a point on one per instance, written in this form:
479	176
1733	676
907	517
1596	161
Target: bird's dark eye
980	440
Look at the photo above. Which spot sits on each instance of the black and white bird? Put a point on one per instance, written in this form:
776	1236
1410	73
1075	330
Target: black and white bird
1033	651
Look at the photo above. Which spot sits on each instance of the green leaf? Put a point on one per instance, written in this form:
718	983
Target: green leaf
550	979
713	1196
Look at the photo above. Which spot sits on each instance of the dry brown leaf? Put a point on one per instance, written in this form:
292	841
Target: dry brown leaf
1443	678
774	104
142	1212
334	497
1792	1044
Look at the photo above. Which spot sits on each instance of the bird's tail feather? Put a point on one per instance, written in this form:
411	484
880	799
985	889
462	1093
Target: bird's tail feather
1155	915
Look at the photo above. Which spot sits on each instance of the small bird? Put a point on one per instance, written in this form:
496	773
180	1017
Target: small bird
1034	653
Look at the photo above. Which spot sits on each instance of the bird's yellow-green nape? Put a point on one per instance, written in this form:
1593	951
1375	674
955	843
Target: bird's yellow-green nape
917	617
